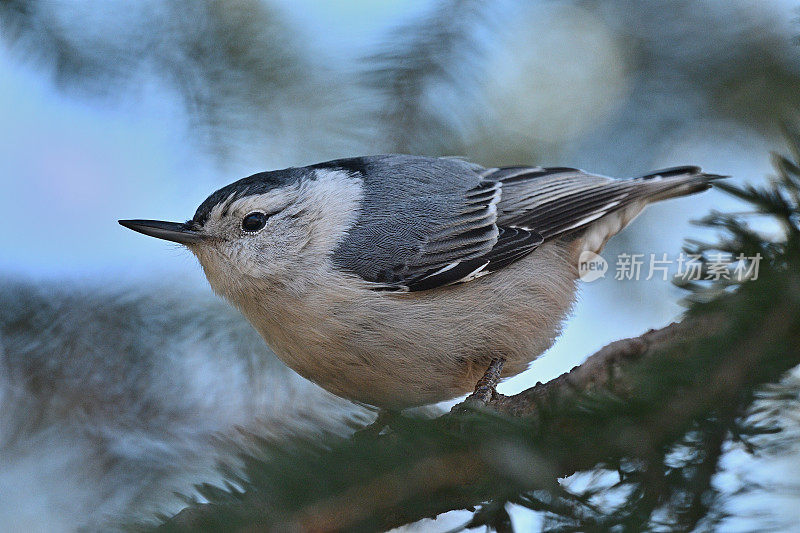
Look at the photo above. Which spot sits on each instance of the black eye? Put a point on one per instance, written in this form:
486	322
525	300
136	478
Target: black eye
254	222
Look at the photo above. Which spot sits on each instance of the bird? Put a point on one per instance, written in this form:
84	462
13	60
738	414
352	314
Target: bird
398	280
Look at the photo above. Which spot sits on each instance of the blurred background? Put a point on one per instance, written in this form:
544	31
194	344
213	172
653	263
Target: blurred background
113	109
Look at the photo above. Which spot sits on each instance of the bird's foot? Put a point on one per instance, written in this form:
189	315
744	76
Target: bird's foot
485	388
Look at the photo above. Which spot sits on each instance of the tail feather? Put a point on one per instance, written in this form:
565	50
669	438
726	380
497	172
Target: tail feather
677	181
556	202
654	187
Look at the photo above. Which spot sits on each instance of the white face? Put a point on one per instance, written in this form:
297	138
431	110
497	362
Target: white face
283	237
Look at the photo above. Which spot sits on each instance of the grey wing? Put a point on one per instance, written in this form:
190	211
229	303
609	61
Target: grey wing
428	222
468	244
511	244
454	251
537	204
534	204
526	205
420	218
556	201
460	247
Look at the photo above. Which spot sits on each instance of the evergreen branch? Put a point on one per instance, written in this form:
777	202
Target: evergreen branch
594	415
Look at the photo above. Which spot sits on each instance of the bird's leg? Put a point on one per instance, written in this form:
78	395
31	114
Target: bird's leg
484	389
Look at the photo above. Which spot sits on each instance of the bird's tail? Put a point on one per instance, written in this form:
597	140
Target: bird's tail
654	187
674	182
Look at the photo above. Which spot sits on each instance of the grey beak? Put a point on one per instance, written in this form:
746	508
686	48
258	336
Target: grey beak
170	231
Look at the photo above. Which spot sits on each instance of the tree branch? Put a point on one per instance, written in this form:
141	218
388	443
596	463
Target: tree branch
603	369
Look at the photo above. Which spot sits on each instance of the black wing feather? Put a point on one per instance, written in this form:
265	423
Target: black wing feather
512	244
487	219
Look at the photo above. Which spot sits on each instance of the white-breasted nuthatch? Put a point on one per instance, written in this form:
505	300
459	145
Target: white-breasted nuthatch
397	280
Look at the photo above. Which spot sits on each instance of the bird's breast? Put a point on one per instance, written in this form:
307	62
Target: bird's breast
399	350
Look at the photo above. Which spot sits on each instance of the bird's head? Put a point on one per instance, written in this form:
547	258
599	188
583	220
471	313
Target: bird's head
269	228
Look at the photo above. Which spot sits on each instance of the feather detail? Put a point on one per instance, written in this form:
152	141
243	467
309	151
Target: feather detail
429	222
